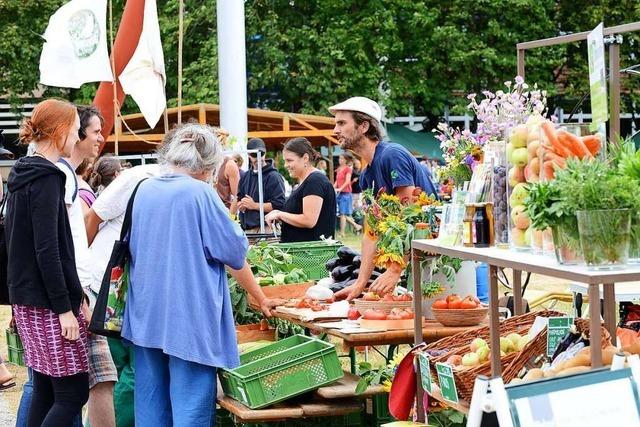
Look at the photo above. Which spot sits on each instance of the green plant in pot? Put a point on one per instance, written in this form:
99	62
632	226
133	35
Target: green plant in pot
547	210
603	200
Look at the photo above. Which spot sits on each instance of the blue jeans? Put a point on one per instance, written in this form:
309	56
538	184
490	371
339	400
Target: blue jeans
25	403
170	391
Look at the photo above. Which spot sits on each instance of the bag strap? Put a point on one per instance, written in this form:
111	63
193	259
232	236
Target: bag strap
126	224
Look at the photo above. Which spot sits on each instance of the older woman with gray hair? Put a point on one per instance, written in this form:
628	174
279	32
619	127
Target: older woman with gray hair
179	314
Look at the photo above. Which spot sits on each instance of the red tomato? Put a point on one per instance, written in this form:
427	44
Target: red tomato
468	303
407	314
453	296
375	315
405	297
394	316
389	297
371	296
353	314
440	304
455	303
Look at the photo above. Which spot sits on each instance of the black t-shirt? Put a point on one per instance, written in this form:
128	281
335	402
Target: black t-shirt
316	184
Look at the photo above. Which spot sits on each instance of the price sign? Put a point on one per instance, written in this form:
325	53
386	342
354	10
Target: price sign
597	77
447	382
425	372
558	328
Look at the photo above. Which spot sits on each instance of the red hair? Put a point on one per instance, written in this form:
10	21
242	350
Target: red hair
51	120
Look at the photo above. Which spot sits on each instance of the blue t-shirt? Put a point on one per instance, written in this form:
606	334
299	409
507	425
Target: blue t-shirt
178	298
392	167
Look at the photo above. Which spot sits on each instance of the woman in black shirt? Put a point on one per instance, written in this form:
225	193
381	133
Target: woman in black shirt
310	210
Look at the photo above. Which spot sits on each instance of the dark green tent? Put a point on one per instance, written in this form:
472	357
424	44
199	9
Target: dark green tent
419	143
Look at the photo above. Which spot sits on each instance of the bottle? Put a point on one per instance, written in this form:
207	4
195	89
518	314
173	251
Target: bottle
421	231
481	226
467	225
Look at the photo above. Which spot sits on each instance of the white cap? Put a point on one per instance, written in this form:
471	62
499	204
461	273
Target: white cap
359	104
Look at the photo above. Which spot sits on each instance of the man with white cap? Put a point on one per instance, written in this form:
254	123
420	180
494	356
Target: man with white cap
391	168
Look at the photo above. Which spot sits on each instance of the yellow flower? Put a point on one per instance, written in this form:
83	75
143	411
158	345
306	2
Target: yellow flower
383	258
384	197
424	200
386	386
383	226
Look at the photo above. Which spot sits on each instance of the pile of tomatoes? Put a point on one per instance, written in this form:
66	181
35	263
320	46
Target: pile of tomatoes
372	296
454	301
377	314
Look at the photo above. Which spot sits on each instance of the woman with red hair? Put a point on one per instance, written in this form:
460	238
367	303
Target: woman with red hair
44	288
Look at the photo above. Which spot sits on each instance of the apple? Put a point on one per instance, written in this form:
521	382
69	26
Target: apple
538	237
534	120
470	359
518	237
516	176
520	156
522	341
505	345
534	166
532	149
533	178
514	338
510	149
454	360
520	217
528	236
483	354
518	136
519	193
477	343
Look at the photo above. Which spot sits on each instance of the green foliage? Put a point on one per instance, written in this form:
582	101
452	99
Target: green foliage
447	418
414	56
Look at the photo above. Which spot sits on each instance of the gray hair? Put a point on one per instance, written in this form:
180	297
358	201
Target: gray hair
193	147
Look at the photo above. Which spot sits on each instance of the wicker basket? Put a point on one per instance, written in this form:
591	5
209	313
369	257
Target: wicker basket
385	306
459	345
460	317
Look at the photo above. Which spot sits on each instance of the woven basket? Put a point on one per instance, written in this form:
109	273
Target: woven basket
385	306
538	346
460	317
459	345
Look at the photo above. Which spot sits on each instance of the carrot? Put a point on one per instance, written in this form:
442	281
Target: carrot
552	137
557	160
575	144
592	142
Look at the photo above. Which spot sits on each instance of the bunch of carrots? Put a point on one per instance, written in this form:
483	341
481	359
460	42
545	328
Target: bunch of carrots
561	145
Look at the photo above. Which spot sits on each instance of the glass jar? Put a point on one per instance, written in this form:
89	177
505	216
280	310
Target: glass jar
499	193
604	237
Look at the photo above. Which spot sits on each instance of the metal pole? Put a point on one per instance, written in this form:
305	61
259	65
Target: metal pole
260	192
614	90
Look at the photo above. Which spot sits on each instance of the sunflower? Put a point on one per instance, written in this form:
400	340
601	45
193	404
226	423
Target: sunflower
386	386
384	258
424	200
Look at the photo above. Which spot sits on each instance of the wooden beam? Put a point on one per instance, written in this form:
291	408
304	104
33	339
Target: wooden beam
570	38
152	137
202	115
521	63
285	122
291	133
614	91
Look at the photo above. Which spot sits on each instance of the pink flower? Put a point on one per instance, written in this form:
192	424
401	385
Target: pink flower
519	80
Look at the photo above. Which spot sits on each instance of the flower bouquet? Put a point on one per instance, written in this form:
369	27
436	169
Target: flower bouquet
462	151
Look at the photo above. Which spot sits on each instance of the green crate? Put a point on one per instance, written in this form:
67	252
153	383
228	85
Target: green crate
16	356
282	370
378	410
311	256
13	339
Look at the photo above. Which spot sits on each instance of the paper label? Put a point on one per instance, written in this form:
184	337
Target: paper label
447	382
597	77
558	328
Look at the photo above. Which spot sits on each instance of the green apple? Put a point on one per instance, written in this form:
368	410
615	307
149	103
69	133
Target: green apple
477	343
483	354
518	237
505	345
510	149
514	338
470	359
519	193
518	136
520	157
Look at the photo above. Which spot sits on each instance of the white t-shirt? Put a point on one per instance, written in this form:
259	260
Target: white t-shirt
110	206
76	221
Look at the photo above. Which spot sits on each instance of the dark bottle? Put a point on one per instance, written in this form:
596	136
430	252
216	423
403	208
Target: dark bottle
481	237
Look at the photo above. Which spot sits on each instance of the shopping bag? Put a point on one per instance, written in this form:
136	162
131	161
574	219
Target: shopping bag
108	312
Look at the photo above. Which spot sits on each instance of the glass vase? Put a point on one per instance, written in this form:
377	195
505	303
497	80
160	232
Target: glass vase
634	239
604	237
499	193
566	243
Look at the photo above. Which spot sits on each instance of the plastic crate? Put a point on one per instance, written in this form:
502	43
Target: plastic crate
13	339
282	370
311	256
378	410
16	356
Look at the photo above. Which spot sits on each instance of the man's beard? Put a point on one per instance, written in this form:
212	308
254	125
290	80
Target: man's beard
352	143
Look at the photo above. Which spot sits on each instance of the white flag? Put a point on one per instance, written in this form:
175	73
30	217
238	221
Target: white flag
144	76
75	51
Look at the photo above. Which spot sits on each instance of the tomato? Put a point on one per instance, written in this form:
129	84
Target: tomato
389	297
405	297
407	314
371	296
453	296
353	314
455	303
440	304
394	316
303	303
375	315
468	303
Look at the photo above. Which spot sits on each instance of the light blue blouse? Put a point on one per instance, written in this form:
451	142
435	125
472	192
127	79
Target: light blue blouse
178	299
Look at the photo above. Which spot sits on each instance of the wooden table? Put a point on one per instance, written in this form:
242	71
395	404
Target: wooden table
519	262
335	399
429	332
